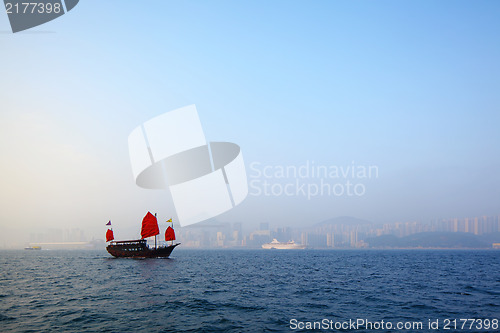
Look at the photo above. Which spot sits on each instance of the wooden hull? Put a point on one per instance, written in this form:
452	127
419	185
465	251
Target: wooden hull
121	251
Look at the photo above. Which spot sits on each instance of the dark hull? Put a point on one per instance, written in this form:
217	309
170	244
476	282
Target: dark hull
121	251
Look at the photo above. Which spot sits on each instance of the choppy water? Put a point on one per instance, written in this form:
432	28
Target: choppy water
244	290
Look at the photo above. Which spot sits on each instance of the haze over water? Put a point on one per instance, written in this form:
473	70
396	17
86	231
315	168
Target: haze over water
407	88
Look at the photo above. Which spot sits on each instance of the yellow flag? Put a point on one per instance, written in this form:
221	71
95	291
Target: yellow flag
169	220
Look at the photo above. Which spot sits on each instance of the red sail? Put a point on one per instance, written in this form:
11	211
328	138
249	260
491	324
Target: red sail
169	234
149	226
109	235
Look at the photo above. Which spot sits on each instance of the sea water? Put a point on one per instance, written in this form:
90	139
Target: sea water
251	291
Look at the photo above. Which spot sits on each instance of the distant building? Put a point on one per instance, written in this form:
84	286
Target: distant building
303	238
317	240
330	240
220	239
258	237
354	238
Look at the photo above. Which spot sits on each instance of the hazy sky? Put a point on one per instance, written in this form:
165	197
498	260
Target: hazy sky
409	87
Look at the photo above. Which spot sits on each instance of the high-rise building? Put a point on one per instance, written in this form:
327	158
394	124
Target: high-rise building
303	238
330	239
354	238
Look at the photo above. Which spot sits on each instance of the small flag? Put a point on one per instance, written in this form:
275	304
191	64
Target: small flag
169	220
109	223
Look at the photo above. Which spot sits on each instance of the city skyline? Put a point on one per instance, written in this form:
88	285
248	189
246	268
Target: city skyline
339	232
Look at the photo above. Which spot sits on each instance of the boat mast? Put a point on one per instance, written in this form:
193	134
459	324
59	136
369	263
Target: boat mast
155	235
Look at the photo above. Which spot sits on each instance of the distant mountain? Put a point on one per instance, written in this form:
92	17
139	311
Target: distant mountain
432	240
344	220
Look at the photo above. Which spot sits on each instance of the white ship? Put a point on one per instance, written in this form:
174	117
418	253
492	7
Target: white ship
283	246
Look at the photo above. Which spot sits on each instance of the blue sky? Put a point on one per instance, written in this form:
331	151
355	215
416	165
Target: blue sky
411	87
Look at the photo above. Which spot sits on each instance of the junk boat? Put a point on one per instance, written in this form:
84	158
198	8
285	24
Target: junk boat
139	248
